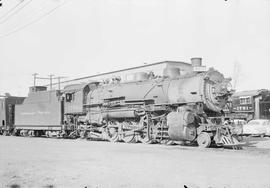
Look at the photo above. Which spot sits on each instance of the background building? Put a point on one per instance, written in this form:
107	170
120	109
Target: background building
252	104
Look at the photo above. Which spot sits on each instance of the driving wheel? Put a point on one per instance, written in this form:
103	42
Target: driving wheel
113	135
128	136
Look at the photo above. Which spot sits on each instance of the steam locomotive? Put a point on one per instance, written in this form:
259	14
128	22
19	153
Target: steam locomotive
146	108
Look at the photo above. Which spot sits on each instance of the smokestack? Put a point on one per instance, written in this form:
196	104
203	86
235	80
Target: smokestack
196	61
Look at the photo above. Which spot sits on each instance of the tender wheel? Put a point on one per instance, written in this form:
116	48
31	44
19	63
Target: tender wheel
5	133
204	140
128	136
15	133
25	133
37	133
113	135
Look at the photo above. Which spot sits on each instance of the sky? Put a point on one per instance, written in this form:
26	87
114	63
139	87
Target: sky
84	37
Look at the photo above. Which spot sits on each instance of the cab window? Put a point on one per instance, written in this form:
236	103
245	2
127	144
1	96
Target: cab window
69	97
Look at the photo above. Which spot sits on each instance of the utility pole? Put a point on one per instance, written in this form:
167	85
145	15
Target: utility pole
59	80
236	73
51	77
35	77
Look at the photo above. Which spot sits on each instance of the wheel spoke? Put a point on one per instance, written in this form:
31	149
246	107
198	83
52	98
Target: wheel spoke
113	135
204	140
146	135
128	136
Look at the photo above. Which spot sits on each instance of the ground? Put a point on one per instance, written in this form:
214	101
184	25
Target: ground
44	162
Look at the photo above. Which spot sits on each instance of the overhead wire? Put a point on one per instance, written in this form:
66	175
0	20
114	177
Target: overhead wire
33	21
36	11
15	12
10	10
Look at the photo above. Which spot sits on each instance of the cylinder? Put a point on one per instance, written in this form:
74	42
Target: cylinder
179	128
196	61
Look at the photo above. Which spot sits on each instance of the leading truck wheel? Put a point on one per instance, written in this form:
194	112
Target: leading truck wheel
204	140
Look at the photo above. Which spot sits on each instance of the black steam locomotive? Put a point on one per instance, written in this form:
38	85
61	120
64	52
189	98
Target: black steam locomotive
145	108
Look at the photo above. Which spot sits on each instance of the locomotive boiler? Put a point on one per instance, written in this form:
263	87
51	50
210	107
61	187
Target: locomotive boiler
152	108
